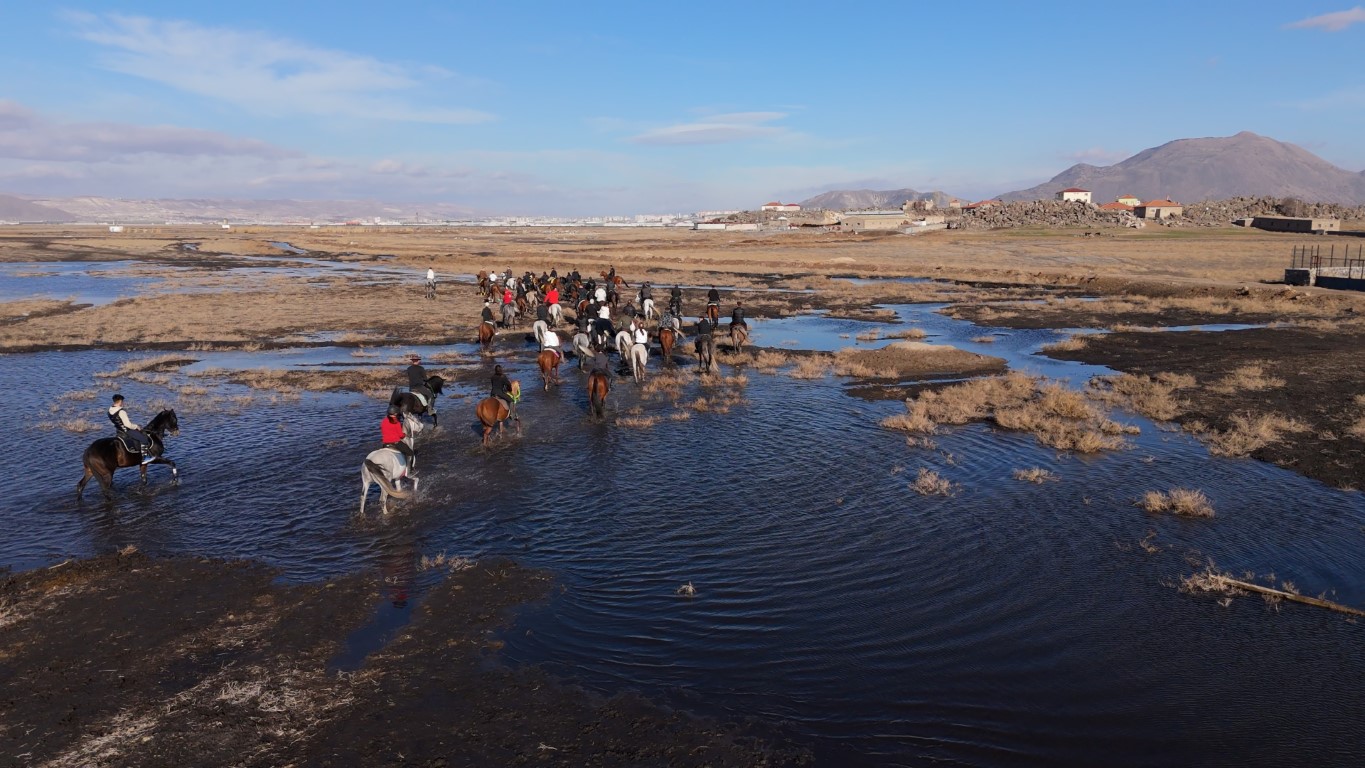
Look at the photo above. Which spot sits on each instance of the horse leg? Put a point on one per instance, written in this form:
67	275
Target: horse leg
80	487
175	473
142	470
364	489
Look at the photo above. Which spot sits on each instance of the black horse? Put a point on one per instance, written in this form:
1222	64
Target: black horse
108	454
407	402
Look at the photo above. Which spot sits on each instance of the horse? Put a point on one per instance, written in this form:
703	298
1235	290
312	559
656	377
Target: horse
638	355
556	313
622	342
486	332
648	309
713	313
739	336
409	403
549	361
598	387
509	315
485	285
582	349
667	338
538	329
108	454
385	467
706	354
491	411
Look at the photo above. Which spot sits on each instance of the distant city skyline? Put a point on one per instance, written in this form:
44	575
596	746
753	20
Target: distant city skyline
549	109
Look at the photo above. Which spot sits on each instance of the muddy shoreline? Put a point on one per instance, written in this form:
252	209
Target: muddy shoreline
207	662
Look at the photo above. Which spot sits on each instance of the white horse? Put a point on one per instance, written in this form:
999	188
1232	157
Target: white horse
509	315
638	355
386	468
623	342
556	313
648	309
582	349
538	328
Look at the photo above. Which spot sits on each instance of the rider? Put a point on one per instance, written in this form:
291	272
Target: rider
599	360
611	274
550	340
737	316
417	375
129	431
552	296
638	333
600	293
646	292
507	297
488	313
713	296
391	432
603	324
502	390
542	314
675	300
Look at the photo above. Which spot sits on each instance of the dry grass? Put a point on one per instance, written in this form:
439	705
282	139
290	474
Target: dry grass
908	333
1248	378
1035	475
910	359
1186	502
1250	432
160	363
1056	416
1152	397
870	335
77	425
767	360
811	367
663	385
1069	344
451	563
80	394
1357	429
984	339
680	416
637	422
930	483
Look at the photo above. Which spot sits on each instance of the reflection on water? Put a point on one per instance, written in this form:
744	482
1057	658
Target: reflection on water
1009	624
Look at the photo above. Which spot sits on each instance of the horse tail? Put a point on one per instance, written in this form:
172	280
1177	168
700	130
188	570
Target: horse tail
379	477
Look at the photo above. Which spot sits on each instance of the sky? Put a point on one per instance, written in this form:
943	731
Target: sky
554	108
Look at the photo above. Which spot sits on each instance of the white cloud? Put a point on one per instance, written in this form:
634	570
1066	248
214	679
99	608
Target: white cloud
24	134
716	129
267	74
1332	22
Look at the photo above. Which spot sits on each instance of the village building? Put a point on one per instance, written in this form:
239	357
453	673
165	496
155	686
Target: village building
1158	209
981	204
1074	195
780	207
1116	206
1296	224
1132	201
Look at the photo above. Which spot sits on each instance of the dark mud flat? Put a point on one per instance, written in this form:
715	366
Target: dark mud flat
1323	372
130	660
1044	317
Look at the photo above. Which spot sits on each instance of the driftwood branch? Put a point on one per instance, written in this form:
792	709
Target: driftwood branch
1328	604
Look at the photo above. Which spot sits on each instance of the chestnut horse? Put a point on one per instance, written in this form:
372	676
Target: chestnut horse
597	394
549	361
667	338
108	454
486	331
491	411
713	313
739	336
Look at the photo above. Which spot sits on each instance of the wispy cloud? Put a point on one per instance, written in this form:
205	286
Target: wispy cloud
717	129
267	74
26	135
1331	22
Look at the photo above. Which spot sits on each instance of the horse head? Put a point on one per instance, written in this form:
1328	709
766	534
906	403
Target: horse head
436	382
164	422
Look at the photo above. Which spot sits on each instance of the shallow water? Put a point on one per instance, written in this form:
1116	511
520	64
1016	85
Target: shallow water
1010	624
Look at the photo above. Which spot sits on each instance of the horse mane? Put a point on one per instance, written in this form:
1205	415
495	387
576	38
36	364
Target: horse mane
435	382
157	420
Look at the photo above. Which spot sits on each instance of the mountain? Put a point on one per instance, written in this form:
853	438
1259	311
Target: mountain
1189	170
19	210
851	199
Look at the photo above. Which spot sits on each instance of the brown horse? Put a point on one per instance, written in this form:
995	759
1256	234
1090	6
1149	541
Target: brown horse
598	387
739	336
713	313
485	285
667	338
549	361
486	331
108	454
491	411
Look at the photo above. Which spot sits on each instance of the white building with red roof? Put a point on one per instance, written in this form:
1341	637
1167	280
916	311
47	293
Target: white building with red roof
1074	195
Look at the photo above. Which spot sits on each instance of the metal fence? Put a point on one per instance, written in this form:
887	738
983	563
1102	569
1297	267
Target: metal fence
1346	262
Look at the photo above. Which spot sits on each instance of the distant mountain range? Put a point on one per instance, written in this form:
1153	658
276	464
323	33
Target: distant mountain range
849	199
1190	170
17	209
159	211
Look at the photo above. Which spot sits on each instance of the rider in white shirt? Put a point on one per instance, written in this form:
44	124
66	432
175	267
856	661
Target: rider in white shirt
550	340
640	335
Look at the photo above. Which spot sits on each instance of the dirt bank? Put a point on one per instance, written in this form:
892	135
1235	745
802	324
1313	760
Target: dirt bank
1311	376
136	661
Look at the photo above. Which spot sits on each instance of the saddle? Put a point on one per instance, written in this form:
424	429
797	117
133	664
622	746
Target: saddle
129	444
422	395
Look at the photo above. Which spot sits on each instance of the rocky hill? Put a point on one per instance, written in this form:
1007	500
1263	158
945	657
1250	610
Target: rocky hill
1211	169
862	199
16	209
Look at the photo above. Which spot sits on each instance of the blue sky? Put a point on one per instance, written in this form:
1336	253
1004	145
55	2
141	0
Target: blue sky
616	108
